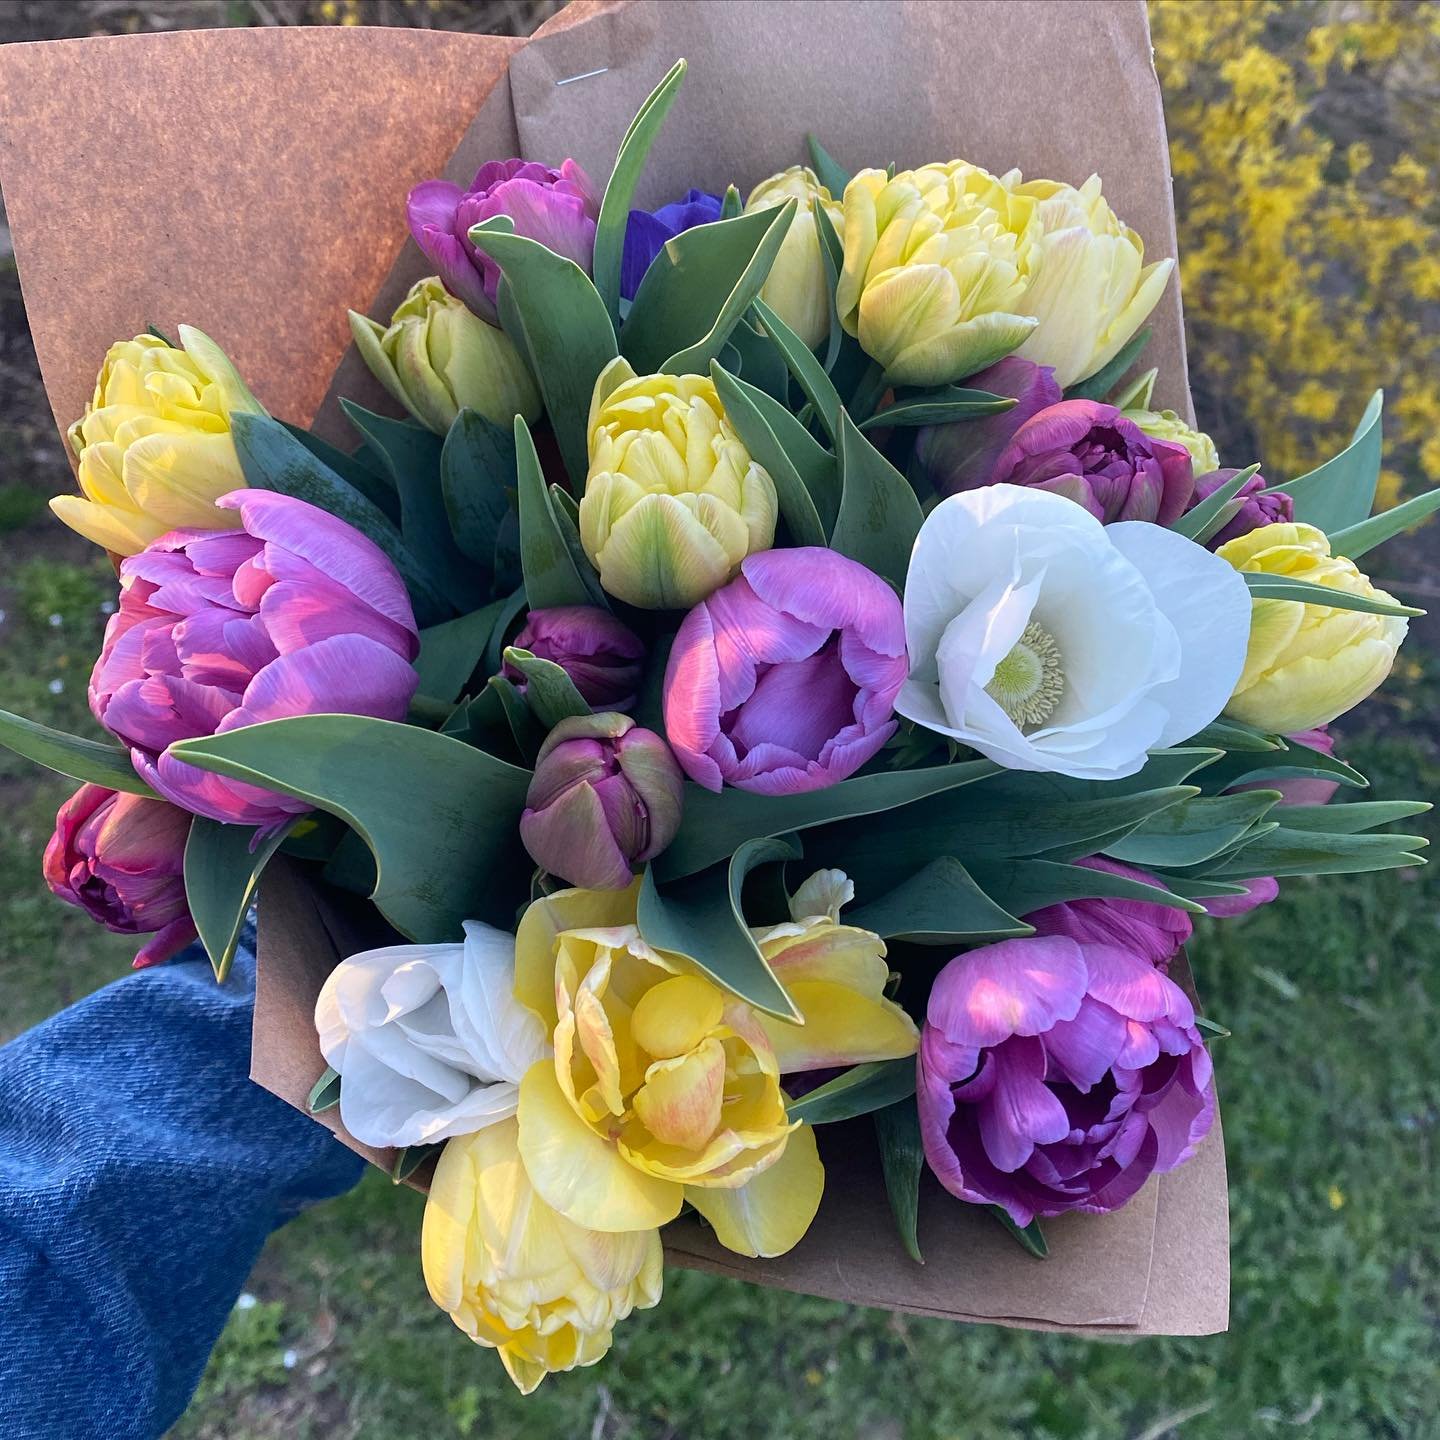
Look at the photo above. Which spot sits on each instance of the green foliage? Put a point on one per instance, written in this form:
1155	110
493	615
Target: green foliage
223	864
72	755
860	1090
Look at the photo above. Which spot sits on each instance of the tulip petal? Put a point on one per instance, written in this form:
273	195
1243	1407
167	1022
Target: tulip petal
770	1213
345	674
1016	987
841	1027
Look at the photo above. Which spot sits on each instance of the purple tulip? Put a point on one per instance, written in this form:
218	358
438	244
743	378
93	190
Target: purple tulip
556	207
294	614
1156	933
606	795
1092	454
646	232
1258	509
121	859
963	454
1058	1074
599	653
785	679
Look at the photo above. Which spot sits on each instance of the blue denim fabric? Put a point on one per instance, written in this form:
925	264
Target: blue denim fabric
140	1172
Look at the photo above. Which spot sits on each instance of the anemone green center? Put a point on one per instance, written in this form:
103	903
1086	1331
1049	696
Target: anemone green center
1029	681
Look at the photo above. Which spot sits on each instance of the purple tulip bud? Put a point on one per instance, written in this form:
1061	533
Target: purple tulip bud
963	454
1092	454
121	859
1256	508
647	231
606	795
556	207
600	654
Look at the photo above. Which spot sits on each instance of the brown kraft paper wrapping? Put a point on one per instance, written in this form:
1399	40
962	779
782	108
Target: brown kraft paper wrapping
276	202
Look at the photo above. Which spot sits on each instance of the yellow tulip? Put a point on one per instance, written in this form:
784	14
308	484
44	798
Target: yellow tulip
798	288
673	502
512	1274
437	358
1307	664
935	269
154	444
1167	425
1087	282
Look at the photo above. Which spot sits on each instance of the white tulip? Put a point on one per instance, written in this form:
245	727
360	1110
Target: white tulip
429	1040
1048	641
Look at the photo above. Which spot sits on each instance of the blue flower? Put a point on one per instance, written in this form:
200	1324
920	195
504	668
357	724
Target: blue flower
647	231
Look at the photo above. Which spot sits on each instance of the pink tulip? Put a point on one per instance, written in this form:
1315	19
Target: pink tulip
785	679
602	655
121	859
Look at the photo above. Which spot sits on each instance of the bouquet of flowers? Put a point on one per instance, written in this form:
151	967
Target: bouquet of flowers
779	669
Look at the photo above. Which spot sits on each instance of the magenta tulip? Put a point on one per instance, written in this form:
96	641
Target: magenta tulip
1256	508
1155	932
556	207
294	614
121	859
601	655
785	679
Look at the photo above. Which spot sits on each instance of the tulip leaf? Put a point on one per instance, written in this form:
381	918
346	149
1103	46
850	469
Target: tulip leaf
1293	761
273	459
549	691
525	729
845	361
796	507
814	464
696	290
828	170
1235	735
713	825
759	361
1105	379
438	815
325	1092
1357	540
809	373
1282	587
90	761
938	407
567	523
620	192
477	479
1215	511
1287	851
409	1158
1025	886
451	652
938	904
1341	492
1194	830
879	515
510	611
552	573
1136	395
860	1090
371	483
1030	1238
1352	818
565	327
700	918
902	1159
222	869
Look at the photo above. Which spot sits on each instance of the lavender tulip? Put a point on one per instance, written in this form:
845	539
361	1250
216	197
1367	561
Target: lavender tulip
1157	933
646	232
556	207
606	795
1093	455
1257	509
121	859
785	679
601	655
295	613
964	453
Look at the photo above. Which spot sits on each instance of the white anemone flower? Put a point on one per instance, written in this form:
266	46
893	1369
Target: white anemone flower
1048	641
429	1040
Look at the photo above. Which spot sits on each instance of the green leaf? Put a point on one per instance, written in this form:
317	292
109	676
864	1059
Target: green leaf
372	484
731	204
438	815
1025	886
222	868
858	1091
1030	1238
1215	511
1210	1028
80	759
809	373
325	1093
477	476
902	1159
549	691
796	507
564	325
1357	540
1136	395
1293	760
812	461
1341	492
511	610
938	904
273	459
451	652
525	729
552	574
700	918
1351	818
1235	735
620	192
938	407
696	290
567	524
1195	830
761	362
1285	851
879	515
409	1158
1281	587
828	171
1104	380
714	825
